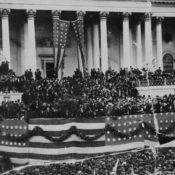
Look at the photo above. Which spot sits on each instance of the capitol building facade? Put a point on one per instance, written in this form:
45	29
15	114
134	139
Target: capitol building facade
117	34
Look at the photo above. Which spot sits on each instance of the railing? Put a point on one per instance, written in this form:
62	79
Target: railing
166	82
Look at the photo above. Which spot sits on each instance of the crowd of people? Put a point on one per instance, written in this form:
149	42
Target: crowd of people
93	95
143	162
96	94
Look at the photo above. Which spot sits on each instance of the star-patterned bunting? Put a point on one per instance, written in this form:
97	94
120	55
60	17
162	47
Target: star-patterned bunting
165	120
13	128
128	125
60	33
78	27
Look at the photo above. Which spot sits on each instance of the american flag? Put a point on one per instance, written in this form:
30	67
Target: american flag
164	122
60	33
125	125
78	26
38	149
133	126
14	129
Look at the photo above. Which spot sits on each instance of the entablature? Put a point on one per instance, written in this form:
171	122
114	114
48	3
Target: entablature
165	8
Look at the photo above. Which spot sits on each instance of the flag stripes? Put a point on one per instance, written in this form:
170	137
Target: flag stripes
84	131
62	158
73	137
55	121
40	148
82	126
45	155
66	144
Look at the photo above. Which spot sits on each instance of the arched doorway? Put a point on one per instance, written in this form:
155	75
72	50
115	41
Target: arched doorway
168	61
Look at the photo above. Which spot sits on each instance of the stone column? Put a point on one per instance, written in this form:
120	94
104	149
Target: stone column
104	47
24	46
96	48
5	35
89	49
31	62
148	39
126	41
159	42
139	45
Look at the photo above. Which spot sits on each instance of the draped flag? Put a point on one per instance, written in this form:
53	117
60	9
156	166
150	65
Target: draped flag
60	33
166	128
78	27
125	125
46	140
166	133
13	129
40	149
55	40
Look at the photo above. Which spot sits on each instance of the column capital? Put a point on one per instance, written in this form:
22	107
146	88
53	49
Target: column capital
159	19
80	14
5	12
56	13
31	13
104	14
148	16
139	22
126	15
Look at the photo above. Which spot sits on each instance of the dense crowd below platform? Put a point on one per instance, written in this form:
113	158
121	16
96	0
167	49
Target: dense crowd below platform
131	163
96	94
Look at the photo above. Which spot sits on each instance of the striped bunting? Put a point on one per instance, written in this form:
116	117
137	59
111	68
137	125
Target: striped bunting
73	147
41	149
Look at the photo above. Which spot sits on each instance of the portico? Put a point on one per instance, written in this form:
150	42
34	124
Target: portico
112	39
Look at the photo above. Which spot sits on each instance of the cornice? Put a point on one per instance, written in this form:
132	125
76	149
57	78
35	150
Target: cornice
78	5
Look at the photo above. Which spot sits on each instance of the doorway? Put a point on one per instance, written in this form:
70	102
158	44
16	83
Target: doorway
49	70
